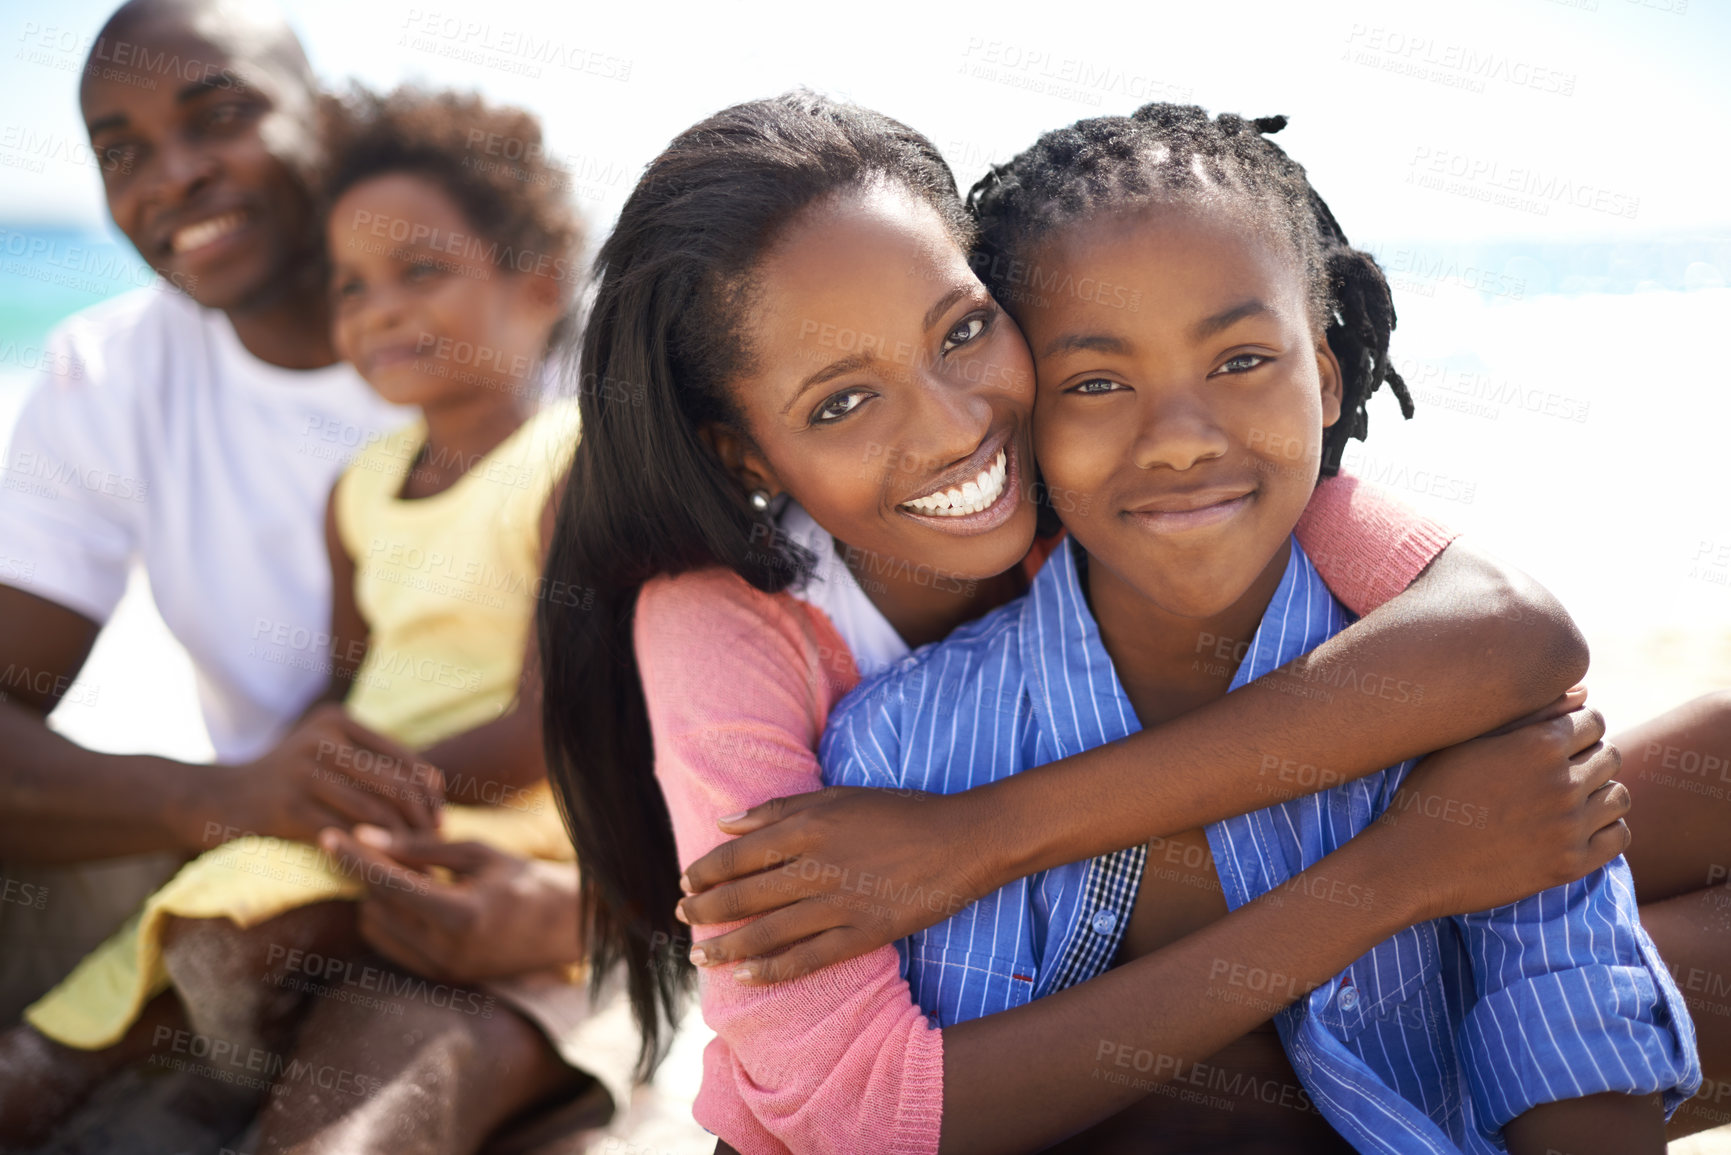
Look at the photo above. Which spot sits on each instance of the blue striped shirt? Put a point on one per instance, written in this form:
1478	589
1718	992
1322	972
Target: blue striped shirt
1429	1043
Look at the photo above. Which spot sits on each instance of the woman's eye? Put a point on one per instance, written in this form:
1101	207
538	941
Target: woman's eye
1242	363
348	289
1095	387
420	271
963	333
839	406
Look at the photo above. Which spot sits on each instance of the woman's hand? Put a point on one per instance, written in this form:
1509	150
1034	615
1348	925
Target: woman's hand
837	873
497	915
1493	820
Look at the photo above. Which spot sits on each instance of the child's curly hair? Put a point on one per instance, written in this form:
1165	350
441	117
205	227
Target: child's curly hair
1165	152
489	159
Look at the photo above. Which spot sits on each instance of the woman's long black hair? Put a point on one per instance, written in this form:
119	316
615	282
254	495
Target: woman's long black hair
647	496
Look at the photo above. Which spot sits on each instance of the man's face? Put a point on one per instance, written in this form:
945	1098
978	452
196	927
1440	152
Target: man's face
204	135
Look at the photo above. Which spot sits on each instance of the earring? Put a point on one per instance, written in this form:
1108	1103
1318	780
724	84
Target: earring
760	499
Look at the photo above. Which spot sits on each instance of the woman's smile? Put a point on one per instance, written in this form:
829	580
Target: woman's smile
976	497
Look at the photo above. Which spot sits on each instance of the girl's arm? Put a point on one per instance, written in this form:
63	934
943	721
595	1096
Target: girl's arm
739	685
1470	646
349	633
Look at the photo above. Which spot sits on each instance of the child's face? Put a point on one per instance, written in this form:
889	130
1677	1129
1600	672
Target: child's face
201	177
430	317
884	373
1180	438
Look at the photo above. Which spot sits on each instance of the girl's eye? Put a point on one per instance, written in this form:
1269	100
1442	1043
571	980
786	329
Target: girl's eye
970	328
1095	387
839	406
348	289
1242	363
420	271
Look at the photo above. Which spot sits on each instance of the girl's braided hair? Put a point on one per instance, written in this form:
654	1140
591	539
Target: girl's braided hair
1165	152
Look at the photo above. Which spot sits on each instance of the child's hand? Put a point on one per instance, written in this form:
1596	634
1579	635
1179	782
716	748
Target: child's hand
1491	821
496	916
845	869
329	771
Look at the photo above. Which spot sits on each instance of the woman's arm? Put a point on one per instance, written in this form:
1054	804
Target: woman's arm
1467	648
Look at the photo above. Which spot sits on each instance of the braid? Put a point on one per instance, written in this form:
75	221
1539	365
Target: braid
1165	152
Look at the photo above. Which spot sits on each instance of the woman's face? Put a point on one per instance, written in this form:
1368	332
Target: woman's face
887	393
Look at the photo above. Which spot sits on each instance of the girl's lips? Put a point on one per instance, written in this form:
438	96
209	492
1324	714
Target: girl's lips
988	519
1184	520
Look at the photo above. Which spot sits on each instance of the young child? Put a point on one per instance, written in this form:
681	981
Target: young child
450	279
1185	435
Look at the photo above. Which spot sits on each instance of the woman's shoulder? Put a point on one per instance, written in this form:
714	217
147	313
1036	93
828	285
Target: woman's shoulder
711	622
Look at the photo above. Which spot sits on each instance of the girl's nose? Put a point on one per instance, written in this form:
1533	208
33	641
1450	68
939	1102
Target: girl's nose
1176	430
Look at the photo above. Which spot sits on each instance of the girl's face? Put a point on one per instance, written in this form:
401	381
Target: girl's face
888	394
1180	438
420	308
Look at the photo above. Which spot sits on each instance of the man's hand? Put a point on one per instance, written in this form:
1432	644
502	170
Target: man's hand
496	916
329	771
842	871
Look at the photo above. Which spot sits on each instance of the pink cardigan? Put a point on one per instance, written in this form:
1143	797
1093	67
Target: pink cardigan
739	684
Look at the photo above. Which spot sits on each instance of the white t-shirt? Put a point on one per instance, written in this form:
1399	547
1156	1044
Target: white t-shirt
156	438
833	589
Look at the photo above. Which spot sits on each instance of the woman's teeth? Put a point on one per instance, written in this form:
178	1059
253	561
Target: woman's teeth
205	231
970	497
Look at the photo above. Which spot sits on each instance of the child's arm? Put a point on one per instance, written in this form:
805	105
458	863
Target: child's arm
1608	1124
1468	647
1574	1001
349	633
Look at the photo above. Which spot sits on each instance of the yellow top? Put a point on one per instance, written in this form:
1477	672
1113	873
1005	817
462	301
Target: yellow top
447	584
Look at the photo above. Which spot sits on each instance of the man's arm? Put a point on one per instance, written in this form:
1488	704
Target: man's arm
58	801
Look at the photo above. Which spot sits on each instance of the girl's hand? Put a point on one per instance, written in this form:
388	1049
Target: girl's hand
1493	820
839	872
491	915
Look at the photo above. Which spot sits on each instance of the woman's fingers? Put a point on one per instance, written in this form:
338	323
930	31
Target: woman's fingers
774	810
801	959
769	934
758	893
741	857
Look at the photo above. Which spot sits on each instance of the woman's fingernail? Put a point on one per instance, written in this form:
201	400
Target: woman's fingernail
744	974
679	913
685	884
699	956
732	817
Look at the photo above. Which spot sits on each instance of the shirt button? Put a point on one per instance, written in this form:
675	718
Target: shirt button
1105	921
1348	998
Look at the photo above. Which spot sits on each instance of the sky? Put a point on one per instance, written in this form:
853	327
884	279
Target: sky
1471	121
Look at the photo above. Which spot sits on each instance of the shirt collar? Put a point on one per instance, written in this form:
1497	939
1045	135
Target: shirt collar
1071	680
